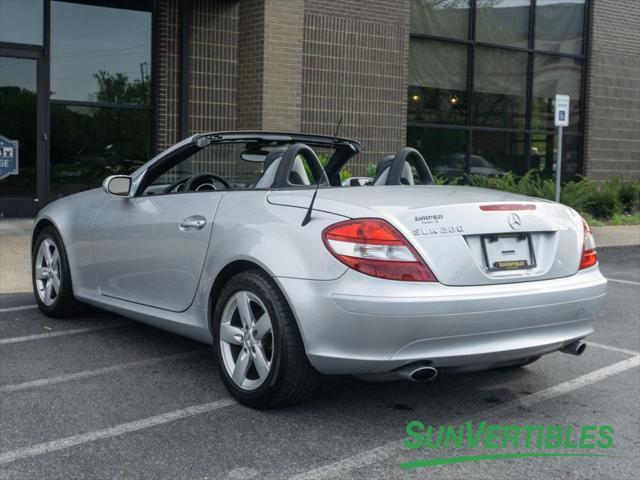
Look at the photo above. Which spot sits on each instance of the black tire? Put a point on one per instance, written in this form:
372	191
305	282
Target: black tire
64	304
291	377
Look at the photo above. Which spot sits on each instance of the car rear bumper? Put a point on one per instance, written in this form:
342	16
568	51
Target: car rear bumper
362	325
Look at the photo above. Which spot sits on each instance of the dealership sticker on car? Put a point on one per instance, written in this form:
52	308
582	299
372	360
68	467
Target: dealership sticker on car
511	251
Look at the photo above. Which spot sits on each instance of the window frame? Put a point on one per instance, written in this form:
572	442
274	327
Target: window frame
42	51
531	51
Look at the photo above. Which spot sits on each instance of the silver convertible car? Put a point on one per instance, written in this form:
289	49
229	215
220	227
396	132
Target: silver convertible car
261	245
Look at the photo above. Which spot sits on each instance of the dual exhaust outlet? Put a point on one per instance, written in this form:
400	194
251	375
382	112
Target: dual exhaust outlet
423	373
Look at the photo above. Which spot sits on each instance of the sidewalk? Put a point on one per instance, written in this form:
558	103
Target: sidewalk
15	236
15	269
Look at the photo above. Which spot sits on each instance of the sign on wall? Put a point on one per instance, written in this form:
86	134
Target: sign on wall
8	157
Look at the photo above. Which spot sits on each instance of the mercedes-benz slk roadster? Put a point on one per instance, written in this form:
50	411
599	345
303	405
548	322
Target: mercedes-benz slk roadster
264	246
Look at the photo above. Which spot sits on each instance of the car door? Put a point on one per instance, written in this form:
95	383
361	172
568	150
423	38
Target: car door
151	249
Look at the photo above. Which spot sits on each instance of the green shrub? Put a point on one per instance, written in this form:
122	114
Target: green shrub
616	201
629	195
605	203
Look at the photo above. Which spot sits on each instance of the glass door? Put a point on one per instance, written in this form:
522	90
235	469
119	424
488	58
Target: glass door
20	134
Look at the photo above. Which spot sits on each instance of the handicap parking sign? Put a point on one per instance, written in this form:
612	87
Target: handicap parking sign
8	157
561	114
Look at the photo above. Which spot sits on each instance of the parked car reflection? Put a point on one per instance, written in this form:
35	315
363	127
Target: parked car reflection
454	166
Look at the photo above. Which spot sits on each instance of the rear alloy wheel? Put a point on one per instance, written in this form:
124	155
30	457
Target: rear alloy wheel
246	340
260	354
51	276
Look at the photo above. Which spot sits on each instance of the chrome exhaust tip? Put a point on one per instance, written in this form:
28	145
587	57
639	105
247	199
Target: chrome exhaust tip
418	373
424	374
576	348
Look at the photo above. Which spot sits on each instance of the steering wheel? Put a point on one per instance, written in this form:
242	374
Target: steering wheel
410	155
176	185
196	182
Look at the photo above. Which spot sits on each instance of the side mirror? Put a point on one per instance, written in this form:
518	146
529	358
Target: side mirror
119	185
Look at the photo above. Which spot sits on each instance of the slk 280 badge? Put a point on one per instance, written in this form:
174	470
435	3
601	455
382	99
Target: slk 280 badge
437	230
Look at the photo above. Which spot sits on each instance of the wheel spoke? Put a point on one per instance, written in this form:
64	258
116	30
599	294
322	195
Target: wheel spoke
242	367
260	362
41	273
55	281
230	334
46	250
47	292
55	260
246	317
263	326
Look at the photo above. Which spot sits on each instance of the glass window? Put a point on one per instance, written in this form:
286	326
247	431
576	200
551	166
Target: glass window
495	153
560	25
21	21
543	155
503	21
443	149
500	88
222	160
437	82
89	143
446	18
99	53
18	123
555	75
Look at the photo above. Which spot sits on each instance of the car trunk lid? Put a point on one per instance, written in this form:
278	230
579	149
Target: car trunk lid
467	236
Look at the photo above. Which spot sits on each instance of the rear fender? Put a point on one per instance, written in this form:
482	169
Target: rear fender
248	228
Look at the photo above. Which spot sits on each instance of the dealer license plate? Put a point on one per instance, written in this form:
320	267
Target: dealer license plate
508	251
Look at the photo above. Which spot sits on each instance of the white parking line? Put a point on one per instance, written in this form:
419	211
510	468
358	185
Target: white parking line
384	452
43	382
629	282
612	348
62	443
17	309
61	333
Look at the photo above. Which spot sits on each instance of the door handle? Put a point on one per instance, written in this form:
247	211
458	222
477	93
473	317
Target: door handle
195	222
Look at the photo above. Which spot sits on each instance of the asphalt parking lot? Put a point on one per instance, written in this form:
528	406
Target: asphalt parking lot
100	397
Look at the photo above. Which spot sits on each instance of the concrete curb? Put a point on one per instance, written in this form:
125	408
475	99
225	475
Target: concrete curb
618	236
15	236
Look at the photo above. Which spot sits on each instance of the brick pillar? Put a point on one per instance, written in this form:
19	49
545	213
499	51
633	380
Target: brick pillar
270	64
613	93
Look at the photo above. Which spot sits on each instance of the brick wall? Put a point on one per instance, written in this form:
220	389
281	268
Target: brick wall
289	65
355	65
283	65
250	64
613	93
214	60
168	108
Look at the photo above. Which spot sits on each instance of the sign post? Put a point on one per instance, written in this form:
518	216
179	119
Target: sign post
561	119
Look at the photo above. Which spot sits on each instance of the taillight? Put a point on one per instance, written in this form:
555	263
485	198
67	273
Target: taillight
589	255
374	247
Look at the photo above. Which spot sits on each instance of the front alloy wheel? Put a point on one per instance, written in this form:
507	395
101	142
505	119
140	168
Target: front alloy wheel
47	272
51	275
246	340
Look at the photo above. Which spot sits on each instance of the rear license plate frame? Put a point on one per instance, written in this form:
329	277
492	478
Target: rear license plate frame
529	263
